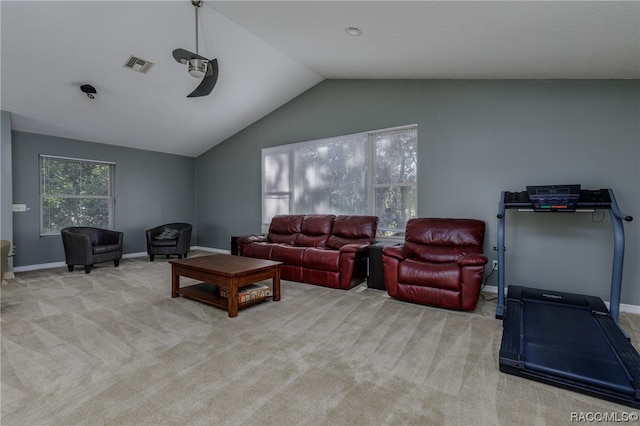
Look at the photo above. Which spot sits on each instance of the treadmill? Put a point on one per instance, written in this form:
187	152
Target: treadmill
563	339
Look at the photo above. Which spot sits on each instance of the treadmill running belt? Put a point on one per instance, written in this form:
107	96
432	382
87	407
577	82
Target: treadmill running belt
569	341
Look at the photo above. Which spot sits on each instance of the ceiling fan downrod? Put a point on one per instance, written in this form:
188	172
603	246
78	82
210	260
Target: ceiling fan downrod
197	4
197	67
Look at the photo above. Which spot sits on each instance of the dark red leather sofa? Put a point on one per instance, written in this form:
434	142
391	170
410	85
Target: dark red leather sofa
440	264
325	250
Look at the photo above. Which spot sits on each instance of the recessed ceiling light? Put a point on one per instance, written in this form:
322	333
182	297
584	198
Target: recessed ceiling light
353	31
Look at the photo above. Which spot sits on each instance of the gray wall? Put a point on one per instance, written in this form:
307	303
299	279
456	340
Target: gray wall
6	215
6	191
476	139
151	189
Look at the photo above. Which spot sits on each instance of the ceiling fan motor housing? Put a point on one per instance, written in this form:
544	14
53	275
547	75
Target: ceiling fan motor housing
197	67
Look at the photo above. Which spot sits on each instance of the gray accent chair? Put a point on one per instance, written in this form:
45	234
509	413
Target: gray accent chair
85	245
169	239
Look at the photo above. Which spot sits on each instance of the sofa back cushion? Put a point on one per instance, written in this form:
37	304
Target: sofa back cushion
353	230
444	240
315	231
285	228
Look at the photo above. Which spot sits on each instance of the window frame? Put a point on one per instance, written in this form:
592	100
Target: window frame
371	185
110	197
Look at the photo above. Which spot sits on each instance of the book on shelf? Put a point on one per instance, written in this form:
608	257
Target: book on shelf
249	292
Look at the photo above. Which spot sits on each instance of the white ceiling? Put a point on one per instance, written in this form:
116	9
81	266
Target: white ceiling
270	52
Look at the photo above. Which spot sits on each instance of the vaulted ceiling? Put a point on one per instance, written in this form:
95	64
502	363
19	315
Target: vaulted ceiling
270	52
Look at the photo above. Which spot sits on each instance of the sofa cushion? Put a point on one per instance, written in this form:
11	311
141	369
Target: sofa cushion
105	249
259	250
315	230
353	229
285	228
164	243
322	259
289	255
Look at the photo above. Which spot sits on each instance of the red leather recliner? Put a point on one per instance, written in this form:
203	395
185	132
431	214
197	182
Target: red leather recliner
440	264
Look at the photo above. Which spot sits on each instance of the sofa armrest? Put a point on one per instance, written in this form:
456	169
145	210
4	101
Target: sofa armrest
77	248
184	240
472	260
239	242
108	237
353	248
252	238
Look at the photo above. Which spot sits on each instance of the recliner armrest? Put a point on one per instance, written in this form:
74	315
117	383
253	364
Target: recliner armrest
399	252
472	260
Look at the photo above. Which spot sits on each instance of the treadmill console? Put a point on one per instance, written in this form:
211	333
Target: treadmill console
557	198
554	197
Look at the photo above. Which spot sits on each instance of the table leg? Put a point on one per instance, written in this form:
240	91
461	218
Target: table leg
232	298
276	285
175	282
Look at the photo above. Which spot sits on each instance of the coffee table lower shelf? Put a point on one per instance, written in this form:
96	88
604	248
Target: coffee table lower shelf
209	293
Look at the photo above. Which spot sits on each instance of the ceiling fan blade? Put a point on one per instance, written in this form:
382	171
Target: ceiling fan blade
183	56
208	82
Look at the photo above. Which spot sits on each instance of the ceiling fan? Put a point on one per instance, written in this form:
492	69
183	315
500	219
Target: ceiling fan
199	66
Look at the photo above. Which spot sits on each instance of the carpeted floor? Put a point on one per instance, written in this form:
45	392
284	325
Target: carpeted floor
113	348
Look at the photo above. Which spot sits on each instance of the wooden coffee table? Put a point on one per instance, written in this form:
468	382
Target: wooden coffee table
223	270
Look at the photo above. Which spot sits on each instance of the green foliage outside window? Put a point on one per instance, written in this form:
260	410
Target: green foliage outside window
75	193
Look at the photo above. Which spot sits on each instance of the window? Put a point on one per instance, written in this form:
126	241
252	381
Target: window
371	173
75	193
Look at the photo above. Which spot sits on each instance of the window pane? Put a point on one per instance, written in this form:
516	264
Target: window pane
396	157
59	212
395	205
331	177
276	204
74	177
276	172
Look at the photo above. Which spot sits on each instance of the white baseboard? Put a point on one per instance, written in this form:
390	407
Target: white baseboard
214	250
39	266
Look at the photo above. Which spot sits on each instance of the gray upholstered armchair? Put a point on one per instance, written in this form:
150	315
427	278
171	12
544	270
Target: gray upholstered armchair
172	238
84	245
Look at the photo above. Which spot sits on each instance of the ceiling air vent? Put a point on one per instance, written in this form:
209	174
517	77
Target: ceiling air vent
138	64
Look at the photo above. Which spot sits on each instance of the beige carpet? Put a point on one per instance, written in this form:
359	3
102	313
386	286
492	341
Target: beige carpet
113	348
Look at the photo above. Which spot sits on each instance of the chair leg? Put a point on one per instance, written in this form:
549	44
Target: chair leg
179	256
185	255
70	267
151	258
116	262
87	269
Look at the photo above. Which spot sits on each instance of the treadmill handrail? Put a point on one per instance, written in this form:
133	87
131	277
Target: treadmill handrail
616	210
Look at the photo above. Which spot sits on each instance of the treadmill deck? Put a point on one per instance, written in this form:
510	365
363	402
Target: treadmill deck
571	341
